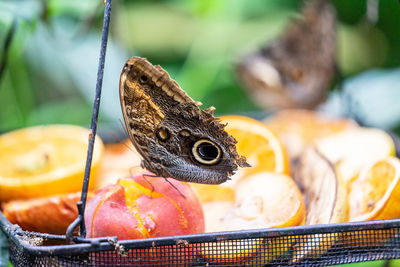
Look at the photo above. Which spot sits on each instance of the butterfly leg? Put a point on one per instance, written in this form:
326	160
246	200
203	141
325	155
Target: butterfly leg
171	184
145	178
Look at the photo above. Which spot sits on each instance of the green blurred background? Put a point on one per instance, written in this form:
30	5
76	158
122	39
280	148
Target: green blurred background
50	50
49	53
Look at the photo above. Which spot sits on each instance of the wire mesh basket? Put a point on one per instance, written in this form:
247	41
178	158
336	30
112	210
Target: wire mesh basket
298	246
316	245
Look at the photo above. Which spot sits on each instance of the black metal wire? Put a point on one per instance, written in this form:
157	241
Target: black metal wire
95	114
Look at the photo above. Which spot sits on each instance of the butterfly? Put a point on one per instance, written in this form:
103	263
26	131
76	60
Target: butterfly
173	136
296	69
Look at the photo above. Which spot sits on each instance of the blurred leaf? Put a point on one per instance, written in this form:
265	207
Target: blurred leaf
365	264
68	68
27	10
380	263
204	8
209	52
71	111
350	12
16	98
360	47
72	8
11	116
151	29
389	24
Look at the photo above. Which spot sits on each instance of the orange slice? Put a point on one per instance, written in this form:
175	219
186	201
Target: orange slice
45	160
297	127
375	193
262	148
50	214
262	200
352	149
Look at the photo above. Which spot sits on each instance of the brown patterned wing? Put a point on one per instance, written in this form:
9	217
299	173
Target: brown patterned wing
175	138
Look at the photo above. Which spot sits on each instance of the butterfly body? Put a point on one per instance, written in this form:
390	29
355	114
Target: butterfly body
174	137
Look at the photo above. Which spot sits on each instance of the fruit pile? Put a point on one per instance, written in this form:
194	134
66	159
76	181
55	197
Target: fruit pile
334	171
359	162
306	168
41	175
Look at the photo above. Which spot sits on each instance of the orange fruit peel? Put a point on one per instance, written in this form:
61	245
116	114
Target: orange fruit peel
262	148
298	128
45	160
375	193
262	200
352	149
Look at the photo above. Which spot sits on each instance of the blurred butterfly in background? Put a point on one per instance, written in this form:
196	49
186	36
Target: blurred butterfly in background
296	69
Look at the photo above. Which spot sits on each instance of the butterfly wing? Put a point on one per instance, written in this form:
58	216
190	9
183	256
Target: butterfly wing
168	128
295	70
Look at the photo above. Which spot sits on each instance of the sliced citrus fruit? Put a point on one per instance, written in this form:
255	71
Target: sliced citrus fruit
230	253
45	160
262	148
375	193
351	150
297	128
262	200
50	214
214	193
256	202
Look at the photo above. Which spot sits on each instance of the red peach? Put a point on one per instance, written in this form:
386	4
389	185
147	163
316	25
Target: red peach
140	208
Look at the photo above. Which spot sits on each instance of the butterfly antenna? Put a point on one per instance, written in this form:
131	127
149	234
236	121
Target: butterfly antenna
123	143
171	184
123	127
116	138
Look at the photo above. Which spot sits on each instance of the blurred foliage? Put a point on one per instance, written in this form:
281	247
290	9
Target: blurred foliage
51	62
380	263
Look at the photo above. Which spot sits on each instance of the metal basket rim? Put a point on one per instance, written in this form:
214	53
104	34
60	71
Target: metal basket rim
12	232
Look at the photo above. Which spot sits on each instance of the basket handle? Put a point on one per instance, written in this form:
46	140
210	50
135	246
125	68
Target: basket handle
80	220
